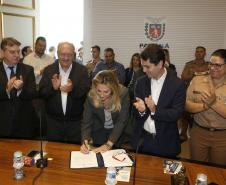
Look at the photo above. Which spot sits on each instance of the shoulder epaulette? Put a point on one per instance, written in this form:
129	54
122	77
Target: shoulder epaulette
201	73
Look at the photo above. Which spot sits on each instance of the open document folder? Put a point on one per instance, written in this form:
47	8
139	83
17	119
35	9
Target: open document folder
111	158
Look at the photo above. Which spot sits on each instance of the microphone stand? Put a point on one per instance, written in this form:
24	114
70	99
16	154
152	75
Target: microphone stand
141	140
42	162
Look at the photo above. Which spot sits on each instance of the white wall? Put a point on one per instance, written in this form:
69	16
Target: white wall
64	26
225	36
120	25
17	22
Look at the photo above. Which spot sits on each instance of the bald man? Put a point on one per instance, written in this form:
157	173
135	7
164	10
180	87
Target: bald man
64	87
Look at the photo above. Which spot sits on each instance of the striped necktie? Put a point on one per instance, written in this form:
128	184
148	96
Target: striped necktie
13	92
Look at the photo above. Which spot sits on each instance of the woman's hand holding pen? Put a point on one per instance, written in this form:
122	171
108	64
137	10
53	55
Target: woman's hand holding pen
85	148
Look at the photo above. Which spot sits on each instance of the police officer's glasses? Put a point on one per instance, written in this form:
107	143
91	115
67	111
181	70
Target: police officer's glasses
216	66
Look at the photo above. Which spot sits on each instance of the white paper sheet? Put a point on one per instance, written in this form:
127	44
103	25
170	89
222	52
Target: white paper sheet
80	160
109	161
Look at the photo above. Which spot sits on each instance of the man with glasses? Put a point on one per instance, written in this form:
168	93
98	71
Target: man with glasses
64	86
206	99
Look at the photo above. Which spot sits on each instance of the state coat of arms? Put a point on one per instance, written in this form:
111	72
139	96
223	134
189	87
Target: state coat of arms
154	28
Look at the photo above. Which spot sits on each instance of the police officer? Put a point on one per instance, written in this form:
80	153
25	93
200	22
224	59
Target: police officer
198	66
206	99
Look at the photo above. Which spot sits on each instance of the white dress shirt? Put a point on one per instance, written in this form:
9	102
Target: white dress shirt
38	63
156	87
8	72
64	78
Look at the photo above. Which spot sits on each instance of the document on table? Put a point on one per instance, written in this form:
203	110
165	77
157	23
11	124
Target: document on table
111	158
121	158
123	174
80	160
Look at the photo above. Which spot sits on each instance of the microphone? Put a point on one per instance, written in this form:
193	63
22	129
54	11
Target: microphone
42	162
140	142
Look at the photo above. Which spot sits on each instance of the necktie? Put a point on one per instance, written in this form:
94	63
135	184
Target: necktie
13	91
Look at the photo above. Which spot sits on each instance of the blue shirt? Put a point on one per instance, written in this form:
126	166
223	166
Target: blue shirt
115	66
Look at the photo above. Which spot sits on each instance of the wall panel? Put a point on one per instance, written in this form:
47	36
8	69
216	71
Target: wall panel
120	25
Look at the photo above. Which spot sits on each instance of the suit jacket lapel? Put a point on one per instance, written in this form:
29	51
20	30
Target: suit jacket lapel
56	68
147	87
72	69
18	71
164	92
3	74
69	103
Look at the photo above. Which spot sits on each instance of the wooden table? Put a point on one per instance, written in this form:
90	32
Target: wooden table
149	168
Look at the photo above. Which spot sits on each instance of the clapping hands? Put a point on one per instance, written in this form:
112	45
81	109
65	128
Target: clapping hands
14	83
148	101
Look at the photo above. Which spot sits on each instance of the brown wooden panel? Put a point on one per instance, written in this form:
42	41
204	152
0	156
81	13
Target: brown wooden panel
149	168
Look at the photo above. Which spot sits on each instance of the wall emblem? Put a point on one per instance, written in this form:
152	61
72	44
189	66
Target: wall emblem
155	28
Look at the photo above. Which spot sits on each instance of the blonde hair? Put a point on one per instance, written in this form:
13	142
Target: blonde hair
108	78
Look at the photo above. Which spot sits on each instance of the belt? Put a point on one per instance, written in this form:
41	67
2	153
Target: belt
210	129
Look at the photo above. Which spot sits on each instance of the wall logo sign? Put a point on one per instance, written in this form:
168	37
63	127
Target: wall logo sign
155	28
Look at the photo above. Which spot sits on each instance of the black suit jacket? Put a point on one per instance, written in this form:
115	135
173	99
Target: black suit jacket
18	116
75	98
168	110
94	118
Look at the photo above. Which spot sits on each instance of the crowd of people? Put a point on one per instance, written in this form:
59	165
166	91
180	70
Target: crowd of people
102	104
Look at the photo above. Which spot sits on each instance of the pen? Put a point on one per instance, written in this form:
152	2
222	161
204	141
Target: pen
86	145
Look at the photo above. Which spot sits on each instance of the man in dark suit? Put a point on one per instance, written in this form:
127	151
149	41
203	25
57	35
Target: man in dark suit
160	99
17	89
64	86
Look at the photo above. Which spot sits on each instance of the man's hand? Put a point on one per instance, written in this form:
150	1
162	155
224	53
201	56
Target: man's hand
68	87
56	81
10	83
139	105
18	84
150	103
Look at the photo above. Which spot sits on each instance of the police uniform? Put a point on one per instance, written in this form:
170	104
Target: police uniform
208	135
192	68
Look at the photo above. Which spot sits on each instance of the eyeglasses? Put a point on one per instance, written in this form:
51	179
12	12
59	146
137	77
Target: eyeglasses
216	66
119	156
